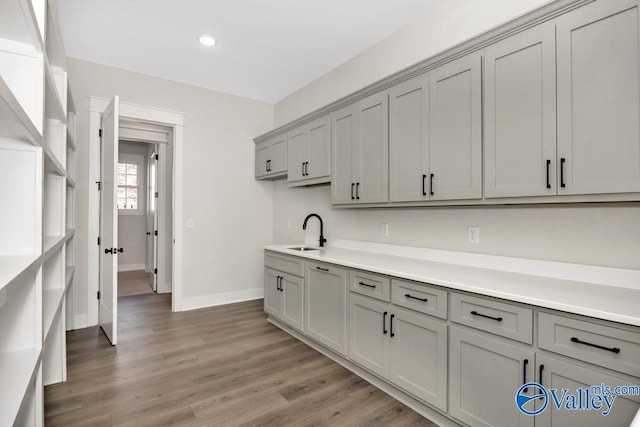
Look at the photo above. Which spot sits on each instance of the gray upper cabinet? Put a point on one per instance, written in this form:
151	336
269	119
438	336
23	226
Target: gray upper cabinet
360	147
271	158
409	140
455	129
343	128
309	153
599	98
435	134
520	114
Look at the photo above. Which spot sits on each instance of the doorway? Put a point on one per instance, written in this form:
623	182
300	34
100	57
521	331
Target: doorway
139	213
112	121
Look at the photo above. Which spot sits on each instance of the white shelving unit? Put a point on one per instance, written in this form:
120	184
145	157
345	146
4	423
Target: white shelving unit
37	171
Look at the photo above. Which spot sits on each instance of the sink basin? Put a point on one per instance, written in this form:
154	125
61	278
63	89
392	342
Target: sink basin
303	248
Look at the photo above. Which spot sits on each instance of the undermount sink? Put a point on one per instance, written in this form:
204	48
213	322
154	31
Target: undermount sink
303	248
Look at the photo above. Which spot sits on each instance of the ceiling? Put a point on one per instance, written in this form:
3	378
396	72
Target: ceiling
265	49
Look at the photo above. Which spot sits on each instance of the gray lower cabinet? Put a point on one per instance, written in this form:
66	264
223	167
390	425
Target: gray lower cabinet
559	374
326	305
484	375
284	297
407	349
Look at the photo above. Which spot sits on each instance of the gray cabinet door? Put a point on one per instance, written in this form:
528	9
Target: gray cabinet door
298	154
278	158
418	356
292	300
484	376
455	129
263	154
343	128
520	114
598	74
409	140
558	374
368	331
371	166
326	305
319	148
272	299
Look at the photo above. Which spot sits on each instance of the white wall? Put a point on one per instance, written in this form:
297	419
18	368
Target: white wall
449	23
233	213
132	228
599	234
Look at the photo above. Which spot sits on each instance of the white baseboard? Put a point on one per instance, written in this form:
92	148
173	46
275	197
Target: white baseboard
131	267
204	301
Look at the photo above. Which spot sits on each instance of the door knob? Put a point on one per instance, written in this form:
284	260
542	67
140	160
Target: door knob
120	250
108	251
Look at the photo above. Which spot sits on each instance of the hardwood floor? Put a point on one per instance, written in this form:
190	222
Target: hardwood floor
224	366
133	283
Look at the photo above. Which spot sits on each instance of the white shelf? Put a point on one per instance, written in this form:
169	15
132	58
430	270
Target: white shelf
23	30
51	163
70	271
51	300
51	245
17	370
14	120
69	234
54	109
70	182
12	267
71	142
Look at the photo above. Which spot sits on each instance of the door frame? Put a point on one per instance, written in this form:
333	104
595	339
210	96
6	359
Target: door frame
140	113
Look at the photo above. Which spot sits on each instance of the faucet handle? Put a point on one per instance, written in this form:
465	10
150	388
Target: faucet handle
322	241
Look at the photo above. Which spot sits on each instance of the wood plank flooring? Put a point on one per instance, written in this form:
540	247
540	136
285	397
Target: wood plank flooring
223	366
134	282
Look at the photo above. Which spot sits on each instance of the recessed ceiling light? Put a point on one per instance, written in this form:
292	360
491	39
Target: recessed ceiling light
207	40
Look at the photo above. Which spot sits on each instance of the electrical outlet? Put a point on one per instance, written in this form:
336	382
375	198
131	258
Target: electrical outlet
288	224
384	229
474	234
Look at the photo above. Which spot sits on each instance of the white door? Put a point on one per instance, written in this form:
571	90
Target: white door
152	218
108	311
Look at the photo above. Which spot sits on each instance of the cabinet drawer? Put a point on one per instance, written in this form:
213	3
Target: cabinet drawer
284	263
607	346
373	285
499	318
419	297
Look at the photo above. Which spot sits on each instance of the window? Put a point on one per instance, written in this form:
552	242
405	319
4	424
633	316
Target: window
127	195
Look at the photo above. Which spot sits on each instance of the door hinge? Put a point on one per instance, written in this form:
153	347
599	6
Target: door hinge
98	294
98	240
100	133
99	185
156	157
155	271
156	194
155	233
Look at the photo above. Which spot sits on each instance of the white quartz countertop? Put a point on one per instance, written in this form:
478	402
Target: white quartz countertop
550	285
